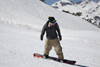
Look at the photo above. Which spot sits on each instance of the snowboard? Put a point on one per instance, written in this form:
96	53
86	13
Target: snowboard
55	59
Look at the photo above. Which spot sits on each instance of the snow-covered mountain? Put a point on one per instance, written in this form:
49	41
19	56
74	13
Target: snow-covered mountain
20	25
26	13
90	10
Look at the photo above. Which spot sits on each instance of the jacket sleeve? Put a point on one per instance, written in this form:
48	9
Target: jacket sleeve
43	31
58	30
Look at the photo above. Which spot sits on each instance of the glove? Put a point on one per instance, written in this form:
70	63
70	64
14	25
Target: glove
41	38
60	38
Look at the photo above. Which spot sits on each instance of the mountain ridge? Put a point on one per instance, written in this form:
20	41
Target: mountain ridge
88	8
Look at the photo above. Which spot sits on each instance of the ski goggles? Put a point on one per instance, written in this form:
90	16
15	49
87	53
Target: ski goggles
53	22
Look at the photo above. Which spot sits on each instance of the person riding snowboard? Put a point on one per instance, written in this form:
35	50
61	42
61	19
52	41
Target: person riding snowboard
52	32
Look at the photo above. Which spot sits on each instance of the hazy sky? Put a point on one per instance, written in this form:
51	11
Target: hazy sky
50	2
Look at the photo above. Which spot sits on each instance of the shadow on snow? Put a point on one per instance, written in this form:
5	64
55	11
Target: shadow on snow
80	65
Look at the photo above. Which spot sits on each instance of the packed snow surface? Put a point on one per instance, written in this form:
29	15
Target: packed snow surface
21	22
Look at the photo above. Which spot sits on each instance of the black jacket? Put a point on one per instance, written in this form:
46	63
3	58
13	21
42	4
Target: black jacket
52	32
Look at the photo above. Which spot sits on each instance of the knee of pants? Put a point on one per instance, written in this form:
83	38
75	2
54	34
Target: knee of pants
58	51
48	48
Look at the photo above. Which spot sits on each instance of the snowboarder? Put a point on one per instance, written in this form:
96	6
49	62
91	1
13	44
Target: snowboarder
52	32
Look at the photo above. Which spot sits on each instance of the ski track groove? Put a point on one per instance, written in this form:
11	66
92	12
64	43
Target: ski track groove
21	25
82	40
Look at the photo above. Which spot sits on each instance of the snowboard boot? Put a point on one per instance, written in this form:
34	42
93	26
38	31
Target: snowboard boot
60	60
45	56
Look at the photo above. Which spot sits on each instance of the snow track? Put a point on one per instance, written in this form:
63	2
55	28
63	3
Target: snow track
83	40
21	25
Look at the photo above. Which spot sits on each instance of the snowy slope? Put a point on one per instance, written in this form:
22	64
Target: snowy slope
26	12
20	26
18	44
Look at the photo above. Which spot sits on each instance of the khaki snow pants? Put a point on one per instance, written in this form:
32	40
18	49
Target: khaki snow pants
56	44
